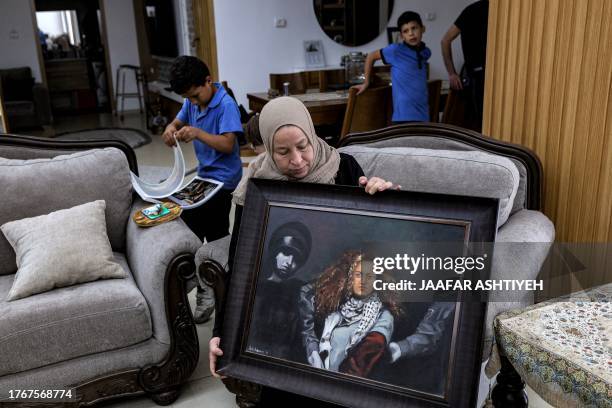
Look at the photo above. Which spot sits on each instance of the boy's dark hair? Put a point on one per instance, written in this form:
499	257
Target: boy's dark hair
407	17
187	71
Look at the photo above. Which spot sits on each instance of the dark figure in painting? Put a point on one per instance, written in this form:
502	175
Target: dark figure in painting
275	326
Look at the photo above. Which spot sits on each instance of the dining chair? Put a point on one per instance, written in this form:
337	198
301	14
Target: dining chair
368	111
454	109
297	82
244	114
434	87
228	89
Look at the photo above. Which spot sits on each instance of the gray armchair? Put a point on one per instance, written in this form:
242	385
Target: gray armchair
107	338
422	157
27	103
524	234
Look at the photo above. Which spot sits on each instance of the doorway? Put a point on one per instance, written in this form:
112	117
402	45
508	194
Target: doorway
73	55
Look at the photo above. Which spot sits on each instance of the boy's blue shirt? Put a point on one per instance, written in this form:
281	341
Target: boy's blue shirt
409	83
220	116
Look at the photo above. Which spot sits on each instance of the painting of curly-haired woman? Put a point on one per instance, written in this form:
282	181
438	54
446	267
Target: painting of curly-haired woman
346	324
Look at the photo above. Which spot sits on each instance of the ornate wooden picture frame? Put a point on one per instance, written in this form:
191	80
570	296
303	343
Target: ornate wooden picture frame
301	247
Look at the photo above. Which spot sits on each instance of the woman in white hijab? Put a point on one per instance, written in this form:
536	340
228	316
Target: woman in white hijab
293	152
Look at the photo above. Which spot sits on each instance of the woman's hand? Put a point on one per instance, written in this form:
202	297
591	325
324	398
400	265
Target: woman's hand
314	359
375	184
213	352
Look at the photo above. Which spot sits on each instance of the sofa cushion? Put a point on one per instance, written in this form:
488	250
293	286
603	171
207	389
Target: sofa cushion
61	248
470	173
40	186
70	322
442	143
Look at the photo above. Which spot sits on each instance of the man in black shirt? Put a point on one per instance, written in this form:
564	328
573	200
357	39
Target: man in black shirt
472	25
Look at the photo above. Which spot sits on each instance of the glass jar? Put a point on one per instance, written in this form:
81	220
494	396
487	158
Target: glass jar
354	68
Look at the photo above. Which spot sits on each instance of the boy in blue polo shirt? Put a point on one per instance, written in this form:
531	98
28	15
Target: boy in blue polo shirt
408	61
211	120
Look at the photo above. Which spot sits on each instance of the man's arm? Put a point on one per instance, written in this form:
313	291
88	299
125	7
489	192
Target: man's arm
428	334
223	143
447	53
369	63
170	130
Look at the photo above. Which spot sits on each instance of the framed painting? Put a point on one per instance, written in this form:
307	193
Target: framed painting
313	54
315	305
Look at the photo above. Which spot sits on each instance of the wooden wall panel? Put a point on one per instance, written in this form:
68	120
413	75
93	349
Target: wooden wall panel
548	87
205	37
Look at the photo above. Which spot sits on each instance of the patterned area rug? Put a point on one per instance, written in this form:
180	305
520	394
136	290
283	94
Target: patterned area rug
134	137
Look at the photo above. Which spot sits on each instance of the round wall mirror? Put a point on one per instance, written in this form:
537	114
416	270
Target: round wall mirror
353	22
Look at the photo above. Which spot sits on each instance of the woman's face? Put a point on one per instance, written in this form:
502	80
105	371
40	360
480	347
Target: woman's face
362	283
292	152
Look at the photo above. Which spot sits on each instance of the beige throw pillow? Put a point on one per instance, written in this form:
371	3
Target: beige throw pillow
59	249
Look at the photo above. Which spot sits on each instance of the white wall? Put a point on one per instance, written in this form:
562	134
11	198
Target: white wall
180	22
122	43
249	47
17	41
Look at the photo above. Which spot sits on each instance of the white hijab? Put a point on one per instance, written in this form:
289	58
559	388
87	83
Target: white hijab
280	112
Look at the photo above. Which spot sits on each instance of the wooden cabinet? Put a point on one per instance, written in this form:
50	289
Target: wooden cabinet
67	75
69	85
332	16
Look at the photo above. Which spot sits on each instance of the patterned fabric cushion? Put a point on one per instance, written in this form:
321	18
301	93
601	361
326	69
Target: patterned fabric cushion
562	348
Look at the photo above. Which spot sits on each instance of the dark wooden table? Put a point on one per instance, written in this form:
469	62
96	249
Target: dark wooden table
323	112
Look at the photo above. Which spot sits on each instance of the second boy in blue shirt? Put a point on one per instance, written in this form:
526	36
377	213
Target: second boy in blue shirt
408	61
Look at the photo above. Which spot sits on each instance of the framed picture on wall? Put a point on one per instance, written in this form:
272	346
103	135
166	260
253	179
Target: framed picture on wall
306	310
313	54
394	35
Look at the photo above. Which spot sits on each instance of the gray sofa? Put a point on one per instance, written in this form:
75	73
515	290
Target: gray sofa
440	158
105	338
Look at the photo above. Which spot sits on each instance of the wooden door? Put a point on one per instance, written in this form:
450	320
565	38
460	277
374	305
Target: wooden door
205	37
3	121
